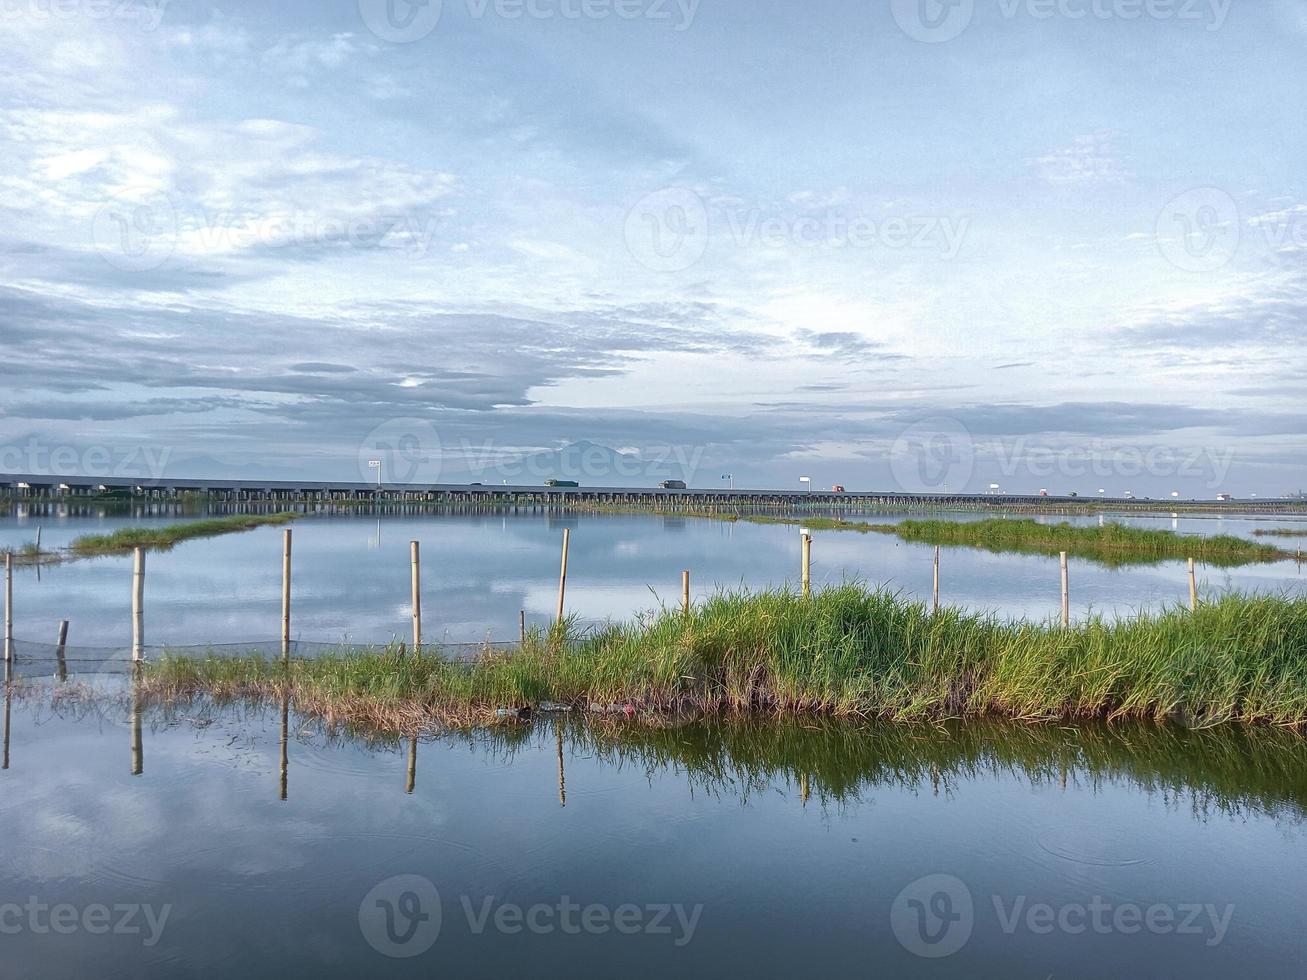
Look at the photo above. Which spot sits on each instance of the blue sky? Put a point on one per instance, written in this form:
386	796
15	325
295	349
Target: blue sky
900	244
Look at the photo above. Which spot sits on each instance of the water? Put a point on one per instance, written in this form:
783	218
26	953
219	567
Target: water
351	574
778	850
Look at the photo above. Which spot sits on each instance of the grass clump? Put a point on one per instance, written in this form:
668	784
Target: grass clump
163	538
1280	532
847	651
1109	544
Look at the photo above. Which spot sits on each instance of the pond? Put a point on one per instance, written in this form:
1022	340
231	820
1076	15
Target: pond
482	568
241	841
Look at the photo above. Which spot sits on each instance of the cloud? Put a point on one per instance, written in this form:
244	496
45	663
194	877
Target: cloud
1087	161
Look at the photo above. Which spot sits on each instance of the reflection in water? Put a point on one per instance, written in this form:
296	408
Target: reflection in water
9	697
412	765
562	779
138	758
285	738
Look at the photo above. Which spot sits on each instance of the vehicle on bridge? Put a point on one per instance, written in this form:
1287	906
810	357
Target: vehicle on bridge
561	483
838	488
672	485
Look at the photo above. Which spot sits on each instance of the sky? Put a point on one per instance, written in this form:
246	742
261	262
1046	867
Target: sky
889	244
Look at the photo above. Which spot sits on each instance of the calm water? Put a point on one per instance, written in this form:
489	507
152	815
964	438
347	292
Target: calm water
780	851
351	574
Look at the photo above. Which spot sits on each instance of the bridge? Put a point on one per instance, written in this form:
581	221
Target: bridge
47	486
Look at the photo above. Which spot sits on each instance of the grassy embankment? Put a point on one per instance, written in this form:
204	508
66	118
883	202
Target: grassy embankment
1109	544
846	651
163	538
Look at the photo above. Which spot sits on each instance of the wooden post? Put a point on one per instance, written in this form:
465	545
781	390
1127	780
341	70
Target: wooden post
562	575
521	624
415	561
1066	592
807	564
59	650
1193	587
9	606
138	606
285	594
38	539
685	591
935	591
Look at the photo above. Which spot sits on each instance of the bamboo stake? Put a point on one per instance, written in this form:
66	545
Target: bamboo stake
685	591
415	560
285	594
138	606
521	624
9	606
9	690
1193	586
935	590
807	564
562	575
1066	592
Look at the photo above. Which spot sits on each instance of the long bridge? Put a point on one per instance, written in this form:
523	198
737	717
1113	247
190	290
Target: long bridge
46	486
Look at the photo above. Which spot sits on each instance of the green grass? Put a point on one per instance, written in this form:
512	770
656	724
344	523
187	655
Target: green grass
1281	532
1110	544
163	538
846	651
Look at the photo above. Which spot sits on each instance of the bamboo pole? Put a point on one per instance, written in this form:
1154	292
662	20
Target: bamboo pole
1193	586
935	590
685	591
138	606
9	606
562	575
521	624
1066	592
415	562
59	650
285	593
807	564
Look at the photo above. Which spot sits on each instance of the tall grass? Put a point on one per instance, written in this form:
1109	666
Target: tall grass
1110	544
163	538
844	651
